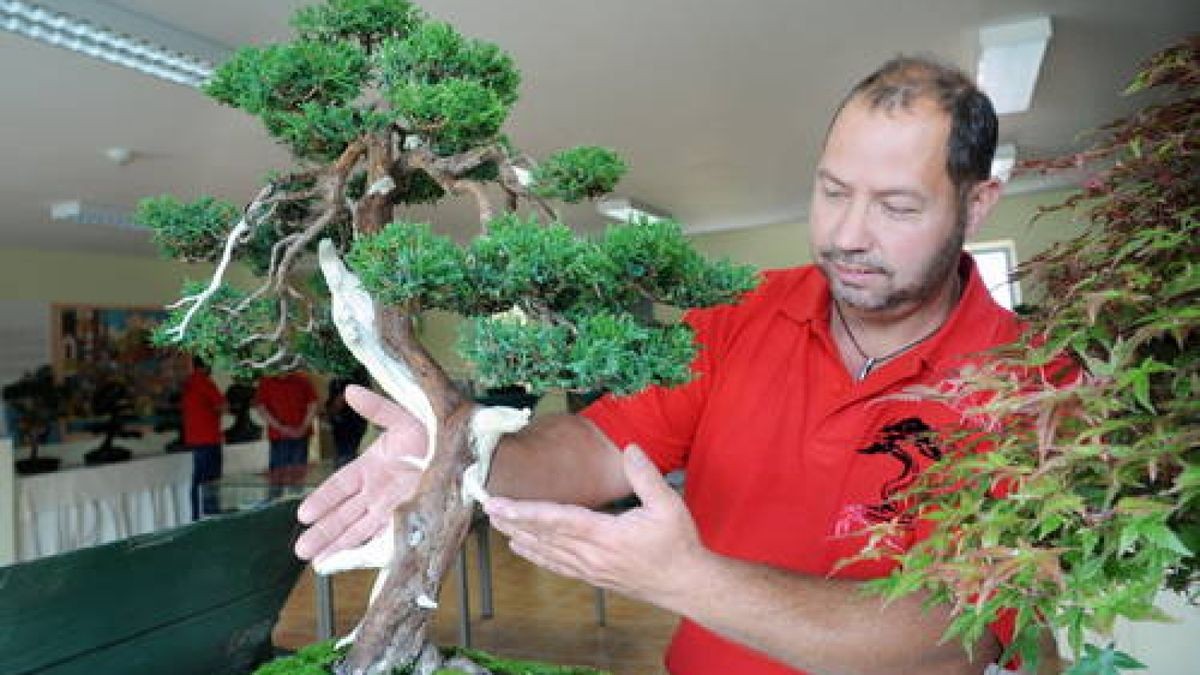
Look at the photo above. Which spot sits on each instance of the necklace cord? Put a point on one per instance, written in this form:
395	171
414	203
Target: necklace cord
872	361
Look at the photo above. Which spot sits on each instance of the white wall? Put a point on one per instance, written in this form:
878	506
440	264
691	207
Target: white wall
1165	648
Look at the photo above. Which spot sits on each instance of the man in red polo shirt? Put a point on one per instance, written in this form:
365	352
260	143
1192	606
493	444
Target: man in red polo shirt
288	405
789	433
201	405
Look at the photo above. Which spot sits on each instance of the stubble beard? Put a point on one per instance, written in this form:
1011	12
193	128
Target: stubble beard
940	267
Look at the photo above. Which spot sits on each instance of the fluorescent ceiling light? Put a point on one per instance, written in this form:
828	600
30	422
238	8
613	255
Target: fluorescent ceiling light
99	42
1009	60
1003	161
76	211
629	210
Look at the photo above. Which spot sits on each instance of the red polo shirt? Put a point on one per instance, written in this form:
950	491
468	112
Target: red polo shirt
786	455
287	398
201	405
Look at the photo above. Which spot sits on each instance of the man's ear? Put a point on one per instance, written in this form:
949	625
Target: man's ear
980	201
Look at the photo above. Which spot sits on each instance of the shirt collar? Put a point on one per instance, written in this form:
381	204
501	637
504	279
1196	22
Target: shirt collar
809	303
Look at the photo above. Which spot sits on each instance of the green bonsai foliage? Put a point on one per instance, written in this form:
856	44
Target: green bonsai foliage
586	172
1087	504
222	332
386	108
192	232
562	302
365	22
37	401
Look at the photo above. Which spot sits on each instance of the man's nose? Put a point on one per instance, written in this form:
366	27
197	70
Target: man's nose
853	229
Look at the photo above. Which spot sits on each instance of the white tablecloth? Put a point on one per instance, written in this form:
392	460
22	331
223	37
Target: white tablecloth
85	506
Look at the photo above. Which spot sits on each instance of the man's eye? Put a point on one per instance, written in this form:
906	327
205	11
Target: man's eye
899	210
835	195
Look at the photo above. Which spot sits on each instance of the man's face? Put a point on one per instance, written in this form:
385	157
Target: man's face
885	225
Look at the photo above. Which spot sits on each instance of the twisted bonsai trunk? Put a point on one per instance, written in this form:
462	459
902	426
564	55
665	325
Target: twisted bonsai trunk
432	527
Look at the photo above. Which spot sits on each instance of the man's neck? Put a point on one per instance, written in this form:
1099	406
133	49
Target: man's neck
866	334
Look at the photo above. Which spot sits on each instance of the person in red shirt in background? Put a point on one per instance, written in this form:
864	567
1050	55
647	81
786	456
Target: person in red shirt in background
202	405
794	433
287	404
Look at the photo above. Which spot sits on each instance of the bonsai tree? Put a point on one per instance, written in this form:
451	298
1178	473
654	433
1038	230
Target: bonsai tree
243	429
384	108
111	401
1087	504
37	403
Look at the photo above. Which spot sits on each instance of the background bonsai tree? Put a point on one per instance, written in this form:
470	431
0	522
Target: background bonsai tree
111	402
37	403
1089	502
384	108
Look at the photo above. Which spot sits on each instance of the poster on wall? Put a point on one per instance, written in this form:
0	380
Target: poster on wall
104	357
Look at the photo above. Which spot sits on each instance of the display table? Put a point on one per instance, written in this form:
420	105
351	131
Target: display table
245	483
76	507
80	505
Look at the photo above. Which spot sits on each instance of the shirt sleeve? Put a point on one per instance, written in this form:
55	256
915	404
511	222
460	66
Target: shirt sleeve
663	421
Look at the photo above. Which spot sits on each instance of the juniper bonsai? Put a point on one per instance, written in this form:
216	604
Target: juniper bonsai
37	402
384	108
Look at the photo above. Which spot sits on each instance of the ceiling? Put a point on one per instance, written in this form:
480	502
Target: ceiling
719	106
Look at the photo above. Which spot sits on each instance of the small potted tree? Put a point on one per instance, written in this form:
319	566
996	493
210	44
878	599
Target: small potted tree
36	401
384	108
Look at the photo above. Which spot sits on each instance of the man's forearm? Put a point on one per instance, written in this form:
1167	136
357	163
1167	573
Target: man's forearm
560	458
821	625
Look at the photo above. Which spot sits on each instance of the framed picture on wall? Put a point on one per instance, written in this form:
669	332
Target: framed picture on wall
102	352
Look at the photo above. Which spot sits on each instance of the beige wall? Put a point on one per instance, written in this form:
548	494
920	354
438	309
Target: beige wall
765	247
1011	220
92	278
73	277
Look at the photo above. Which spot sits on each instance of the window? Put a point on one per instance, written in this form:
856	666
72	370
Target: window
996	261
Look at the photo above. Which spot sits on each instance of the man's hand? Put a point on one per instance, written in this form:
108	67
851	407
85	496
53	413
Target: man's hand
638	553
356	503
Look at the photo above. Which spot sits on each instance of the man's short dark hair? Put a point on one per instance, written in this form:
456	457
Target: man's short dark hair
904	80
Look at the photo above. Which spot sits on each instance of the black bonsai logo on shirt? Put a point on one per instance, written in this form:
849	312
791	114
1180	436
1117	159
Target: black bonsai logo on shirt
902	441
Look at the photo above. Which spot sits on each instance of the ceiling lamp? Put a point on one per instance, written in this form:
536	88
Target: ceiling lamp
76	211
629	210
1009	60
99	42
1003	161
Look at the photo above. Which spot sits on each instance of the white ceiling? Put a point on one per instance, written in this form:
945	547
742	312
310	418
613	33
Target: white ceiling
719	106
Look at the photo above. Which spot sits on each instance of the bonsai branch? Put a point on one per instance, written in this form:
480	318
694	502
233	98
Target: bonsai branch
235	237
354	316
